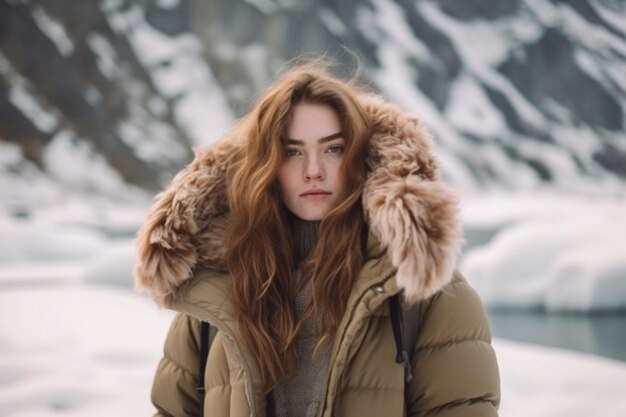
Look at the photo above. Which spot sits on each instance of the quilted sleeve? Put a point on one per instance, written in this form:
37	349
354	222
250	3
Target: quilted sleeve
174	386
454	365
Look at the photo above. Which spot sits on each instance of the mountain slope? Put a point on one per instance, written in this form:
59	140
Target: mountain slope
519	94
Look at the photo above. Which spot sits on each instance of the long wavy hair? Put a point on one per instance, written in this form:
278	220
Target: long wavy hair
259	246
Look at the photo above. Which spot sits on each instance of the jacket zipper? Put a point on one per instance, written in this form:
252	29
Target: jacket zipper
356	336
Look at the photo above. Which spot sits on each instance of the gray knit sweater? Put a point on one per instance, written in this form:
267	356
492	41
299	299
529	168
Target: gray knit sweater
300	395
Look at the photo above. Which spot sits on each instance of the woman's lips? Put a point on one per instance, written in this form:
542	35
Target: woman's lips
315	194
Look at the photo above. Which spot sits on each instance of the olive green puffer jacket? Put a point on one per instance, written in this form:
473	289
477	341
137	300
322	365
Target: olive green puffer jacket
454	365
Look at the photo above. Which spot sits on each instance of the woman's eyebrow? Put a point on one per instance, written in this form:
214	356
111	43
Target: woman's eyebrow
320	140
330	137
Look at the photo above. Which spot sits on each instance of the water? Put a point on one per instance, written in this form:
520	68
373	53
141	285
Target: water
601	334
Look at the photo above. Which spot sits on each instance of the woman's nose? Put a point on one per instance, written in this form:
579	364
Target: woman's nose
313	169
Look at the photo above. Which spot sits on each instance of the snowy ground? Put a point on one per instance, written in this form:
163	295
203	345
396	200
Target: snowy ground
545	382
75	340
77	350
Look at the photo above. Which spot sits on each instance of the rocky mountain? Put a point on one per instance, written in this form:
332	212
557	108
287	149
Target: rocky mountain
518	93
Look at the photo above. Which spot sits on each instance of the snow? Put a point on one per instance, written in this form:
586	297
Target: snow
548	252
162	145
25	241
76	164
252	57
332	22
544	11
583	143
615	17
22	185
106	58
31	107
595	48
482	46
592	36
168	4
615	70
206	118
111	5
30	197
470	109
563	167
396	79
481	56
21	96
92	96
77	351
179	71
267	7
53	30
514	173
22	273
113	266
547	382
391	23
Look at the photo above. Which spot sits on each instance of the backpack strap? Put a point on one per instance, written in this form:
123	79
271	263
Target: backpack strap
204	353
397	325
405	325
411	328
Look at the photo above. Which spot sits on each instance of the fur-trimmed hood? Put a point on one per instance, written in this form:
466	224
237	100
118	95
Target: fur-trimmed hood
412	213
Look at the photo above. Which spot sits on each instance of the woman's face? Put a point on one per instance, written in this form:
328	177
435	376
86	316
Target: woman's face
310	174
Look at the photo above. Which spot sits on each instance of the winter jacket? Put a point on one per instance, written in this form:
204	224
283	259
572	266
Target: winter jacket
412	246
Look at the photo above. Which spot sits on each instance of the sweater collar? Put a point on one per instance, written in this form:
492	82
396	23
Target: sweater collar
305	235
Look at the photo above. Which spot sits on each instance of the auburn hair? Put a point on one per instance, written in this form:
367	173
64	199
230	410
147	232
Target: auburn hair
259	246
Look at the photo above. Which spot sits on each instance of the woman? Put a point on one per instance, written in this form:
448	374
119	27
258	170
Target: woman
291	237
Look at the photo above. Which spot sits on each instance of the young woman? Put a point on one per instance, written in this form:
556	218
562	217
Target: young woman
292	237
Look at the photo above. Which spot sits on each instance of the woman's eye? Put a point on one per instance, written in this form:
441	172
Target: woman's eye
335	149
292	152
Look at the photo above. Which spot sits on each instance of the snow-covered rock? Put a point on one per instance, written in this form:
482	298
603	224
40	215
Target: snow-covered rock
557	254
518	94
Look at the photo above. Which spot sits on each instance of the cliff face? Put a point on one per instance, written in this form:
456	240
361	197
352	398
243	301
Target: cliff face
69	74
518	93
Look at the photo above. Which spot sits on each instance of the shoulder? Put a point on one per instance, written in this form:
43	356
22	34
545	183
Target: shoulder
456	366
182	342
206	291
173	389
454	314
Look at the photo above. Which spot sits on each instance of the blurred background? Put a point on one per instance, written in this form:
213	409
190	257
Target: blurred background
102	102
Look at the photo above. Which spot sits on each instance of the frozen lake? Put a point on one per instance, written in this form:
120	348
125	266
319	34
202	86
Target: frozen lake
602	334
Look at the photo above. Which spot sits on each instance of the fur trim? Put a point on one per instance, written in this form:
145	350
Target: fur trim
408	208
